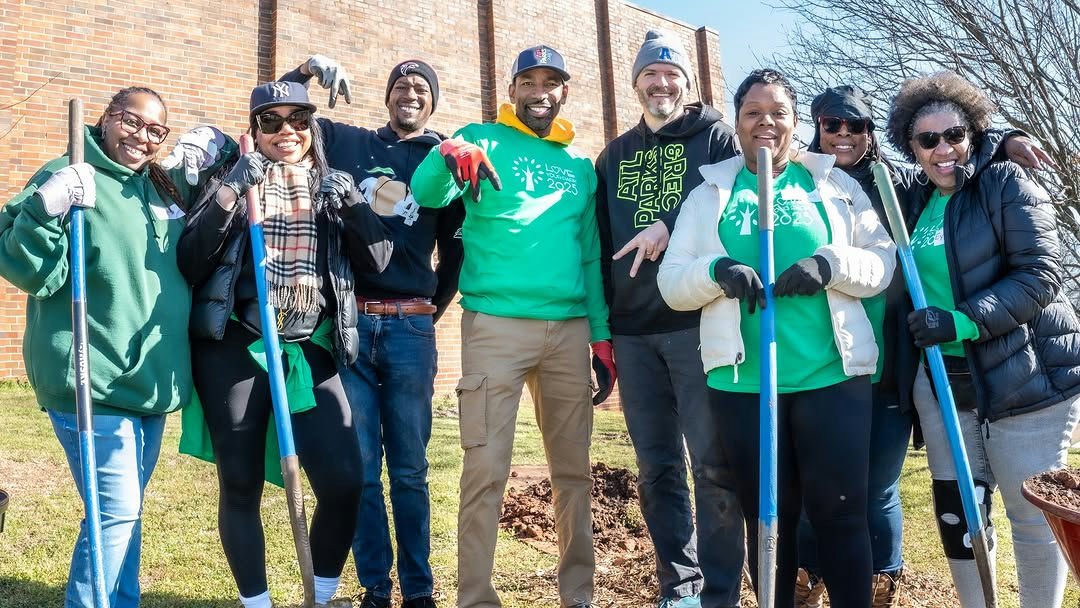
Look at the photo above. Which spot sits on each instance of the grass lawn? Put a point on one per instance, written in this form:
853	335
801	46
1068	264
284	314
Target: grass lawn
182	562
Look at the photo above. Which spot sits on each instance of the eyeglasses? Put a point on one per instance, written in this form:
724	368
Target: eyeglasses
271	122
855	126
132	124
928	140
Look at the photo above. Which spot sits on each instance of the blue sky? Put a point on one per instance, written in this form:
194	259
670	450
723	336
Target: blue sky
746	27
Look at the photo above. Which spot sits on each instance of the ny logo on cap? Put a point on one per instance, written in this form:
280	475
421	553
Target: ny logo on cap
665	54
542	55
405	69
280	89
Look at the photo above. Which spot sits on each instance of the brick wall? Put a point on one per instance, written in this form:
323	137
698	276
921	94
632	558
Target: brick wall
204	56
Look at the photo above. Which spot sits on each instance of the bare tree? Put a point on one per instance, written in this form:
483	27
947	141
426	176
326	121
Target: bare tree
1024	53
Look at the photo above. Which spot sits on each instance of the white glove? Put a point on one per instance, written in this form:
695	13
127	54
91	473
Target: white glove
72	185
198	150
331	76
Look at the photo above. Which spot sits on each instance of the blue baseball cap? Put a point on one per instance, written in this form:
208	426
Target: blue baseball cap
541	56
279	94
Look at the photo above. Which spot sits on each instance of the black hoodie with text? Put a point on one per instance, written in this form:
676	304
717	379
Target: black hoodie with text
643	177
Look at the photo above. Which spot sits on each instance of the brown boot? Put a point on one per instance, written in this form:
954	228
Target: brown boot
809	590
886	590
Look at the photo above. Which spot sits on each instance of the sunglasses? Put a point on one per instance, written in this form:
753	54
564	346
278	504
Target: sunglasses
271	122
855	126
928	140
132	124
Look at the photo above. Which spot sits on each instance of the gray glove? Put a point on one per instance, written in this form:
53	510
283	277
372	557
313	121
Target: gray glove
247	172
198	150
339	189
71	186
331	76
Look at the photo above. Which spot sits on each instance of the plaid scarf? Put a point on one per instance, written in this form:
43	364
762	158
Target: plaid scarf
292	281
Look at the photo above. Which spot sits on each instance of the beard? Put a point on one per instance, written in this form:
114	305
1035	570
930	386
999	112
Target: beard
661	108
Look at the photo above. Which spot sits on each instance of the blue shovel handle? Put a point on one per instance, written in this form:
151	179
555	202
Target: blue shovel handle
767	445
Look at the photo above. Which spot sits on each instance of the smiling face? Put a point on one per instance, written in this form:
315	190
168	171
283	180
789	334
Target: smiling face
132	150
848	148
940	162
409	104
538	95
661	89
287	145
766	118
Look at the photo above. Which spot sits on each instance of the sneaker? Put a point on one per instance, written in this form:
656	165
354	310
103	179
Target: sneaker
419	602
373	601
886	589
690	601
809	590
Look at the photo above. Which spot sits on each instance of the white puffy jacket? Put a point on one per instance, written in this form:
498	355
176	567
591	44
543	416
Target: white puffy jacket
862	258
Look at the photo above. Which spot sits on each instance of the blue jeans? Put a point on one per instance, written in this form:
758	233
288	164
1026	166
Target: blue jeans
390	388
664	399
890	433
126	448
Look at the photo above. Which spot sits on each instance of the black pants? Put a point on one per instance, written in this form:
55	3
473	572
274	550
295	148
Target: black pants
822	463
235	396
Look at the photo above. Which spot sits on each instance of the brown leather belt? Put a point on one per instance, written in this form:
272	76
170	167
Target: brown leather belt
412	306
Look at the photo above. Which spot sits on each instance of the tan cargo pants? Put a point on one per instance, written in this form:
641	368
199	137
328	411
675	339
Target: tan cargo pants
498	356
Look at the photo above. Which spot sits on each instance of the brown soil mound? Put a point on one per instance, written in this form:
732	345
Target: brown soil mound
1061	487
625	567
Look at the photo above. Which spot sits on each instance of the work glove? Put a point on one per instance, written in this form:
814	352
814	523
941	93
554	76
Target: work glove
339	189
248	171
331	76
71	186
197	150
468	163
739	281
931	325
806	277
603	363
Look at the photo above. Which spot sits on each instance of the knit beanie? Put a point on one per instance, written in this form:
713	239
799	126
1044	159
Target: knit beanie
662	47
414	66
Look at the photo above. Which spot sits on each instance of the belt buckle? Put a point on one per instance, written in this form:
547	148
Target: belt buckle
366	303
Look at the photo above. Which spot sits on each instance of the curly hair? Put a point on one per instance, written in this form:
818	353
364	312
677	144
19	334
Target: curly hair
941	91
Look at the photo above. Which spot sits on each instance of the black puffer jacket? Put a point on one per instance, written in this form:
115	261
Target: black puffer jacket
214	249
1002	247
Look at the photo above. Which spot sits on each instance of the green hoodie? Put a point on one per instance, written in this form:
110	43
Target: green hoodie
532	250
137	301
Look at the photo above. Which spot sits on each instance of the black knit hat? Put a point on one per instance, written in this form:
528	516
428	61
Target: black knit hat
844	101
414	66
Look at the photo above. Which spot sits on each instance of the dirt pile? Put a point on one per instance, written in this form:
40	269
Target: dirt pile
1061	487
625	559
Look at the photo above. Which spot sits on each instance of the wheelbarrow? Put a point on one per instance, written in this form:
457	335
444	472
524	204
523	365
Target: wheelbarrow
1064	522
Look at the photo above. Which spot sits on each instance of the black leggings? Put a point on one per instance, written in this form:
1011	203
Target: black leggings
822	463
236	399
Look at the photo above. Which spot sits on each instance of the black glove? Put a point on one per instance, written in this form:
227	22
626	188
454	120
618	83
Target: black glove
741	282
806	277
248	171
603	363
338	188
931	326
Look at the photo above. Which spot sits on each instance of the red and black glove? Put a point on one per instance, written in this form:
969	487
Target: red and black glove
603	363
468	163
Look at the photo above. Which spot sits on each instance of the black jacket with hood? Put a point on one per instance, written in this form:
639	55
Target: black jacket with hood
382	165
643	177
214	255
1002	247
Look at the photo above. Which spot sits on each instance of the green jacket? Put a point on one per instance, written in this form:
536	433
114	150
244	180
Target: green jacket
137	301
532	250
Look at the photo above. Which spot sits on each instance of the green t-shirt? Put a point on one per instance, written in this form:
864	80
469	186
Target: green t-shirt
806	353
928	249
875	311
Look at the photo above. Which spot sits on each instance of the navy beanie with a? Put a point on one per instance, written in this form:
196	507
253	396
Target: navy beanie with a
414	66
